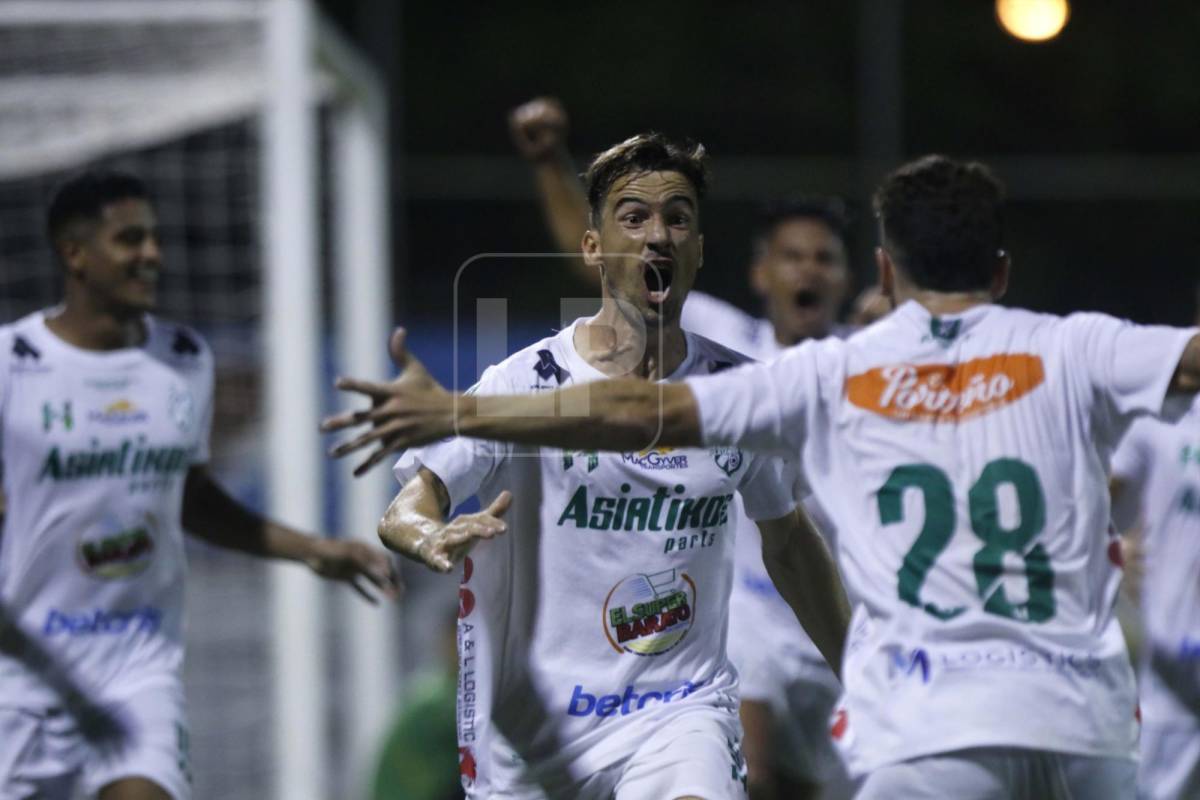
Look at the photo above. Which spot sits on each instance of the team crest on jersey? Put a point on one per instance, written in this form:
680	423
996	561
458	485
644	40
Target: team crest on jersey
118	555
119	412
648	615
946	392
729	459
181	408
945	331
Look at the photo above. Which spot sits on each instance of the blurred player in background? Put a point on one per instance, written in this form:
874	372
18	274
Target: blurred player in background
592	639
799	269
104	424
962	449
1156	480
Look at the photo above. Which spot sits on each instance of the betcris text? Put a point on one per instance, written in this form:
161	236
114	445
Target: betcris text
587	704
98	622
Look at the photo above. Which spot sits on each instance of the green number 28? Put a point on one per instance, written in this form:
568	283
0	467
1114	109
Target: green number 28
984	505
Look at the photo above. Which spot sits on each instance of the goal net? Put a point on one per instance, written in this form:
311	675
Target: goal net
177	93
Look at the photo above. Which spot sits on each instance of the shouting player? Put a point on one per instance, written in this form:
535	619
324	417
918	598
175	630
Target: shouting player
799	270
104	422
592	637
1156	476
962	449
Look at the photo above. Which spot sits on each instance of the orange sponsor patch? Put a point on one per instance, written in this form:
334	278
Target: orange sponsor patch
946	392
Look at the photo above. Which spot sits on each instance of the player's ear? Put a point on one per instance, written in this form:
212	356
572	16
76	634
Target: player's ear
700	264
71	254
759	280
591	249
887	274
1000	273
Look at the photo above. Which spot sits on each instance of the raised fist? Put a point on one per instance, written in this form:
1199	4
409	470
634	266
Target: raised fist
539	128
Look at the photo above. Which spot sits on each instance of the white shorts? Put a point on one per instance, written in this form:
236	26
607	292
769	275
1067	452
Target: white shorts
694	753
44	754
1003	773
1170	766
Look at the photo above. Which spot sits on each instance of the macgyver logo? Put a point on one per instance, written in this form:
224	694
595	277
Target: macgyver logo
648	615
946	392
584	704
656	458
119	412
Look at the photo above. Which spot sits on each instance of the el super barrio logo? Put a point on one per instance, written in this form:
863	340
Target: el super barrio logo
649	614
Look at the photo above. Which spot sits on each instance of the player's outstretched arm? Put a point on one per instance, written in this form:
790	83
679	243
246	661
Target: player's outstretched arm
414	409
803	571
209	513
415	525
1187	374
539	132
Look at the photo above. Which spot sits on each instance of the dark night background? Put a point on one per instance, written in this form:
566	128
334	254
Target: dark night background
1094	132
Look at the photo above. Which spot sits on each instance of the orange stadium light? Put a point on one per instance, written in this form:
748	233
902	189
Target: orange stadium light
1033	20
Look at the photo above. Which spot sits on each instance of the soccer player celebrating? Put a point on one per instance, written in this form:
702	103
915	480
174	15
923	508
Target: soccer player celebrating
592	637
799	270
104	422
1156	476
962	449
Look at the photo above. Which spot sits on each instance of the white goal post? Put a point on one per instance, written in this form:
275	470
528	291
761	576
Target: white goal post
132	83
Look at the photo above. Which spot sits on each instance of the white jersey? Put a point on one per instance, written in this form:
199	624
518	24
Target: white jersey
964	460
1160	463
95	447
755	603
602	614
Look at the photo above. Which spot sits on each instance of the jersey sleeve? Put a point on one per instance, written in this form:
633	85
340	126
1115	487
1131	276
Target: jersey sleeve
1131	465
1129	366
1131	460
462	464
715	319
760	406
767	488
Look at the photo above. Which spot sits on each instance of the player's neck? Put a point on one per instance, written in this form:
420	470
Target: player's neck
941	304
620	348
89	328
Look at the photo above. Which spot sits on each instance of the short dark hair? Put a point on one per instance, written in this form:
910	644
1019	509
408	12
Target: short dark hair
831	211
942	220
83	197
646	152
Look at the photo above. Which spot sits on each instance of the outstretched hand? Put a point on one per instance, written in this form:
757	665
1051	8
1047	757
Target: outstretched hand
358	564
452	543
412	409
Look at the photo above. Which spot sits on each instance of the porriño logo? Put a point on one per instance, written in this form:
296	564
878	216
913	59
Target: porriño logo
946	392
